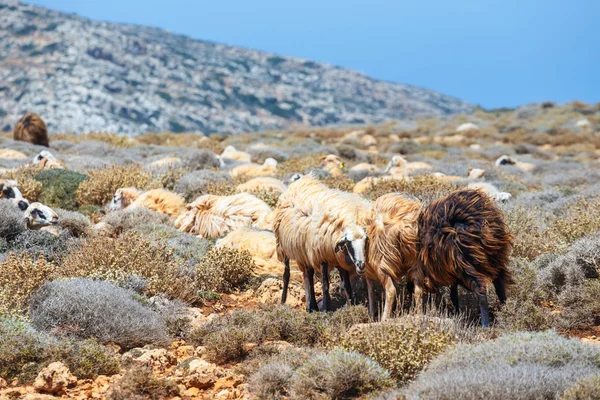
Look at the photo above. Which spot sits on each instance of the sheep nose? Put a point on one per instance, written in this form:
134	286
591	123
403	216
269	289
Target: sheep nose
360	267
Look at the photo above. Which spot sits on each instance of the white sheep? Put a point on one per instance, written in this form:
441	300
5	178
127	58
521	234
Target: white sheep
263	183
211	216
399	167
47	160
490	190
508	160
38	216
233	154
269	168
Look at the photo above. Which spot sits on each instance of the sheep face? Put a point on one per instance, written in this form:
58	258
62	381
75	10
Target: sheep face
353	244
38	215
9	190
117	201
396	161
123	198
331	162
44	154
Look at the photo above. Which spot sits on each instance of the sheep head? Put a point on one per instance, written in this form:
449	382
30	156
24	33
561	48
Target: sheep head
396	161
38	215
44	154
354	243
123	198
331	162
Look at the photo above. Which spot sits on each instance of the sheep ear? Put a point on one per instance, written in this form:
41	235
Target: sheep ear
322	158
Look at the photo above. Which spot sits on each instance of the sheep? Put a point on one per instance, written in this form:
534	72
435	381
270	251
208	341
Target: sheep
12	154
159	200
262	183
398	166
211	216
508	160
332	164
9	190
467	126
38	216
269	168
166	162
262	246
31	128
490	190
46	160
476	173
231	153
463	240
315	225
392	251
368	140
364	167
365	184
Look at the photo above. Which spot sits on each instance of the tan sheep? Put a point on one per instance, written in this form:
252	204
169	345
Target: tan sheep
332	164
159	200
233	154
263	183
318	226
12	154
211	216
31	128
38	216
269	168
490	190
166	162
398	166
46	160
364	167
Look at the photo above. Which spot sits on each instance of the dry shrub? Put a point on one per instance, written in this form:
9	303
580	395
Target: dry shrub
100	188
169	176
529	239
224	188
424	187
586	388
223	269
266	195
578	220
19	277
140	384
28	185
300	164
403	346
132	255
341	183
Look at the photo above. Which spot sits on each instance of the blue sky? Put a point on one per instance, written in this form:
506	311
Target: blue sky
494	53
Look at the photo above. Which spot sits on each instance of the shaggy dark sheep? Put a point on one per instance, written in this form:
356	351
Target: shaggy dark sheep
31	128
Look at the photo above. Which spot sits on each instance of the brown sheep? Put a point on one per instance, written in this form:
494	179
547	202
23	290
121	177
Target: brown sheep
463	240
31	128
159	200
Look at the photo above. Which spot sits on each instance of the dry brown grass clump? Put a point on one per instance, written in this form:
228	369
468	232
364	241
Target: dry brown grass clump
223	269
341	183
425	188
130	256
578	220
102	183
139	384
300	164
19	277
169	177
268	196
222	188
29	187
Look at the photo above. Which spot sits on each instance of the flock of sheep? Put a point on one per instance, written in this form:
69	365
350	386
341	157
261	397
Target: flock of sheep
460	239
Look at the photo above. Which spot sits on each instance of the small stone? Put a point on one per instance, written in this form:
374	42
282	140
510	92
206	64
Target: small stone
185	351
191	392
55	378
200	381
38	396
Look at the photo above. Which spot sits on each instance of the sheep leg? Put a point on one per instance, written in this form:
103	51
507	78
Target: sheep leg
419	299
371	297
325	284
313	297
345	276
286	280
390	297
484	308
454	297
500	290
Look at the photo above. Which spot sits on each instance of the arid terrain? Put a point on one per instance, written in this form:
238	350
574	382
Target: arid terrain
121	304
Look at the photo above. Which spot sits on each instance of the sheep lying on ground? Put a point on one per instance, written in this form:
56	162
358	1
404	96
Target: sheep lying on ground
315	225
38	216
263	183
211	216
46	160
507	160
463	240
233	154
398	166
159	200
10	190
365	167
166	162
31	128
332	164
269	168
12	154
490	190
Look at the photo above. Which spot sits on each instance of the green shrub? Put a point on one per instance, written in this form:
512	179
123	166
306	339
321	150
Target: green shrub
586	388
339	374
59	187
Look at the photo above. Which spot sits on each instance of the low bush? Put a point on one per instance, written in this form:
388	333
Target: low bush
168	176
102	183
260	154
86	308
223	269
268	196
29	187
73	223
201	159
271	381
11	220
59	187
37	243
24	351
424	187
141	384
132	255
518	366
340	183
124	221
195	184
586	388
339	374
298	164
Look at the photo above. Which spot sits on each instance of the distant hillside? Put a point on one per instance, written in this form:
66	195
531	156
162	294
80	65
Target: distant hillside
83	76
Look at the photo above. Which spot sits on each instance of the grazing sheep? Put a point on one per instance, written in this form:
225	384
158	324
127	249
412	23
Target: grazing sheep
463	240
490	190
398	166
269	168
508	160
392	251
263	183
233	154
38	216
159	200
315	225
332	164
31	128
9	190
262	246
211	216
12	154
46	160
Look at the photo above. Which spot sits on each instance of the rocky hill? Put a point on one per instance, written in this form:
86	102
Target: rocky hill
83	76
